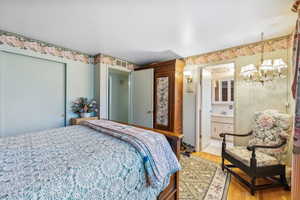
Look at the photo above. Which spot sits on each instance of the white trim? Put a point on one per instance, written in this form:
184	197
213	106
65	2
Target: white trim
2	125
103	95
198	110
130	104
109	89
119	67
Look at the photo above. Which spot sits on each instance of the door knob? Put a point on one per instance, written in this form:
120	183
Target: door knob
149	112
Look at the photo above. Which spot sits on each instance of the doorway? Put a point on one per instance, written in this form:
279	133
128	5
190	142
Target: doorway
118	95
216	101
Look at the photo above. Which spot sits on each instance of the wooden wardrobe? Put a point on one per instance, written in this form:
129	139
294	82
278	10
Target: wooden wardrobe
168	95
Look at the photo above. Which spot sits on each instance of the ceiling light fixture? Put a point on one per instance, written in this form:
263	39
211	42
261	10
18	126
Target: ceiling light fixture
268	70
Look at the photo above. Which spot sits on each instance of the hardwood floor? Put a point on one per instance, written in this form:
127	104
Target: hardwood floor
237	191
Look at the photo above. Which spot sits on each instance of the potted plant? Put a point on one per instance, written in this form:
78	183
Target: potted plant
84	107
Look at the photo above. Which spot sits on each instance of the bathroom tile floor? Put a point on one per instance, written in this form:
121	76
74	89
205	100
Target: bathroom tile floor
215	147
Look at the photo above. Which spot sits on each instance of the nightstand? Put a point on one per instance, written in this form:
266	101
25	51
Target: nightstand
76	121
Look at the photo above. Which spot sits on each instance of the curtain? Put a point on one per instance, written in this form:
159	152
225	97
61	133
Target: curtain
296	87
296	95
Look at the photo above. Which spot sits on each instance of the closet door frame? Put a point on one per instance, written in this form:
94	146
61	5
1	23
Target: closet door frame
67	63
102	71
9	51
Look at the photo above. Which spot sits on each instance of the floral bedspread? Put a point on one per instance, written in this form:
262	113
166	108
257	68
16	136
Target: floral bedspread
159	159
72	163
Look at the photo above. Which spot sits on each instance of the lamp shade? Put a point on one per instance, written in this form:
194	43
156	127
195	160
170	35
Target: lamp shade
187	73
248	70
267	65
279	64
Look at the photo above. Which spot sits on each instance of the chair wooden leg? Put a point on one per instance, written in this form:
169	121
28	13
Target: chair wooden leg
284	181
252	187
223	167
276	173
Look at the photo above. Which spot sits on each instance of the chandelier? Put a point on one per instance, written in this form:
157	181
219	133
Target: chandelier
266	71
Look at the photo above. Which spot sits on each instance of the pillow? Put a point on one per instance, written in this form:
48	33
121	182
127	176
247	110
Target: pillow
270	127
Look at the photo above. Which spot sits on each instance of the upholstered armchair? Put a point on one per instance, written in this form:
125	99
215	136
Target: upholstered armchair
265	154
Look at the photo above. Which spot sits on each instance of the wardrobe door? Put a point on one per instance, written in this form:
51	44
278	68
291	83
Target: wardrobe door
163	100
32	94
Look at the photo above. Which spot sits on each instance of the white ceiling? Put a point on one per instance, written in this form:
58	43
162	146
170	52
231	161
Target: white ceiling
143	31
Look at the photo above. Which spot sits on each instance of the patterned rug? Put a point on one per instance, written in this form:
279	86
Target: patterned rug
202	179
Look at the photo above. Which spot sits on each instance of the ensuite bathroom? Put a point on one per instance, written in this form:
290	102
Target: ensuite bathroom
220	105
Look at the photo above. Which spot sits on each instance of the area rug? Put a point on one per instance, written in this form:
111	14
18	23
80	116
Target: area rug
202	179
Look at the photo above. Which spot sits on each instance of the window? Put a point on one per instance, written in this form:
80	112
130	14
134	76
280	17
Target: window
232	90
216	90
223	91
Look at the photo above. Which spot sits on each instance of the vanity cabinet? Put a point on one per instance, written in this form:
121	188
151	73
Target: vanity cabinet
222	125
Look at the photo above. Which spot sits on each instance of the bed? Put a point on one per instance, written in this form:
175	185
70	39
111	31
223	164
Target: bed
82	162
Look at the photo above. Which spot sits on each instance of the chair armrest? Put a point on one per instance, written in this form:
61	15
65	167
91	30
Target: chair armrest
231	134
223	135
253	147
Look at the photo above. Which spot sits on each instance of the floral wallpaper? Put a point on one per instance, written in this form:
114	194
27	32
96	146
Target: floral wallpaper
105	59
296	80
22	42
244	50
162	101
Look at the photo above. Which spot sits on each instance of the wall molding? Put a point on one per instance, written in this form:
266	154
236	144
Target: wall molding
22	42
274	44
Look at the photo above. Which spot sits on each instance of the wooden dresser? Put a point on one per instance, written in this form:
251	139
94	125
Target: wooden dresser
168	95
